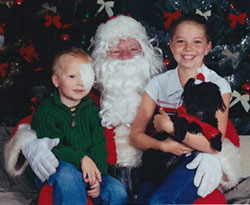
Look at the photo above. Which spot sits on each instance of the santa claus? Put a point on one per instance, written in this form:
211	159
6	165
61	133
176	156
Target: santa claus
124	61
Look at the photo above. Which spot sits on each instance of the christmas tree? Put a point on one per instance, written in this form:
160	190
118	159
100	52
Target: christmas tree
32	31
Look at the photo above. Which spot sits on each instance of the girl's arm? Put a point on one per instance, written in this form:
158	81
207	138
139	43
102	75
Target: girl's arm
140	140
222	117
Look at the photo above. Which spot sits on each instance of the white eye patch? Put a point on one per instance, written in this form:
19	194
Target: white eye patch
87	76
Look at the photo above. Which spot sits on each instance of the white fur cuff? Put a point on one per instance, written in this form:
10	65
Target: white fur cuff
230	161
12	150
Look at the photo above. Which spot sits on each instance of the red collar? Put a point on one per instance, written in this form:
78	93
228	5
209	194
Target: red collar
208	130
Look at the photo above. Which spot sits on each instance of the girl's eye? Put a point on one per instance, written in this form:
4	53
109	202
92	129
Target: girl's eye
71	76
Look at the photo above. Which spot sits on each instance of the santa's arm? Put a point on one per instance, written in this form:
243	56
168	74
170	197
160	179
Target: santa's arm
24	148
15	162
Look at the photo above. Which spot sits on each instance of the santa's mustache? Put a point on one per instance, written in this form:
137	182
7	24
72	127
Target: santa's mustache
108	70
122	83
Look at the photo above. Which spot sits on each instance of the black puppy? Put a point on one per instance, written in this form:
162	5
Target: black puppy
196	115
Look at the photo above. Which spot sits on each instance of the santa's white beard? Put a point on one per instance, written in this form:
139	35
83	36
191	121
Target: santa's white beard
122	83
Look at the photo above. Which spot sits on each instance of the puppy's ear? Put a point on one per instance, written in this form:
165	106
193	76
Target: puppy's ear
220	103
217	98
189	91
189	83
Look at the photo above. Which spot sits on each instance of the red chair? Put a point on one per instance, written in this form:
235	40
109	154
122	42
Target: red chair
46	196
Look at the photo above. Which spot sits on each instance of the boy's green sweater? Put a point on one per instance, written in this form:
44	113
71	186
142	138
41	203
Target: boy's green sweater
80	132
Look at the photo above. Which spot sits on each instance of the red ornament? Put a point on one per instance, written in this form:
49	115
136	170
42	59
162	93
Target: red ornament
166	61
33	99
19	2
65	37
84	20
2	32
3	69
246	88
232	5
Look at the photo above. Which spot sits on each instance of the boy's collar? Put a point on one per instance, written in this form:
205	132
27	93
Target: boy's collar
57	100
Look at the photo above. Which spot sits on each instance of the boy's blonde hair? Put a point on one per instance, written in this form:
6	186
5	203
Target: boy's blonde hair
72	51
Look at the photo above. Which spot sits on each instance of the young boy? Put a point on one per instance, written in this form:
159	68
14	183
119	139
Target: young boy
71	116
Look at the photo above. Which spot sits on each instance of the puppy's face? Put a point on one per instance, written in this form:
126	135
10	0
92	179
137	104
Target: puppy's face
203	99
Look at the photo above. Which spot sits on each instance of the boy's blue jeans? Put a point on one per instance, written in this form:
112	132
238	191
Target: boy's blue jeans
69	187
178	187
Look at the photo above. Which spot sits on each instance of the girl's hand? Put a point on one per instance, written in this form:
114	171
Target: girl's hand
162	122
169	145
91	173
94	190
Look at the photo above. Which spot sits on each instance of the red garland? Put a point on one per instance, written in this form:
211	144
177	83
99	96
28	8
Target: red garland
170	17
2	69
55	20
29	53
240	18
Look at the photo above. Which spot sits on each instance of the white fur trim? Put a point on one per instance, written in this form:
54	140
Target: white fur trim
127	155
13	148
230	161
121	27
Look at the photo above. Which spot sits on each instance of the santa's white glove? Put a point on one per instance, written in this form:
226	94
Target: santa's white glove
208	174
38	153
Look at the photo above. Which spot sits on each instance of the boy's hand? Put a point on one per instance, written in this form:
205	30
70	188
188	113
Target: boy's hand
94	190
91	173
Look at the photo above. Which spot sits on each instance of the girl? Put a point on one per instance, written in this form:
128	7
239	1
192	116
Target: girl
190	43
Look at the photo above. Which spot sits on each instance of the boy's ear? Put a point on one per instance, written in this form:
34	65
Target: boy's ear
54	79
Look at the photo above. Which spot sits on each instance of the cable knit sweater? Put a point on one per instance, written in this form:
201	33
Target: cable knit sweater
80	132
